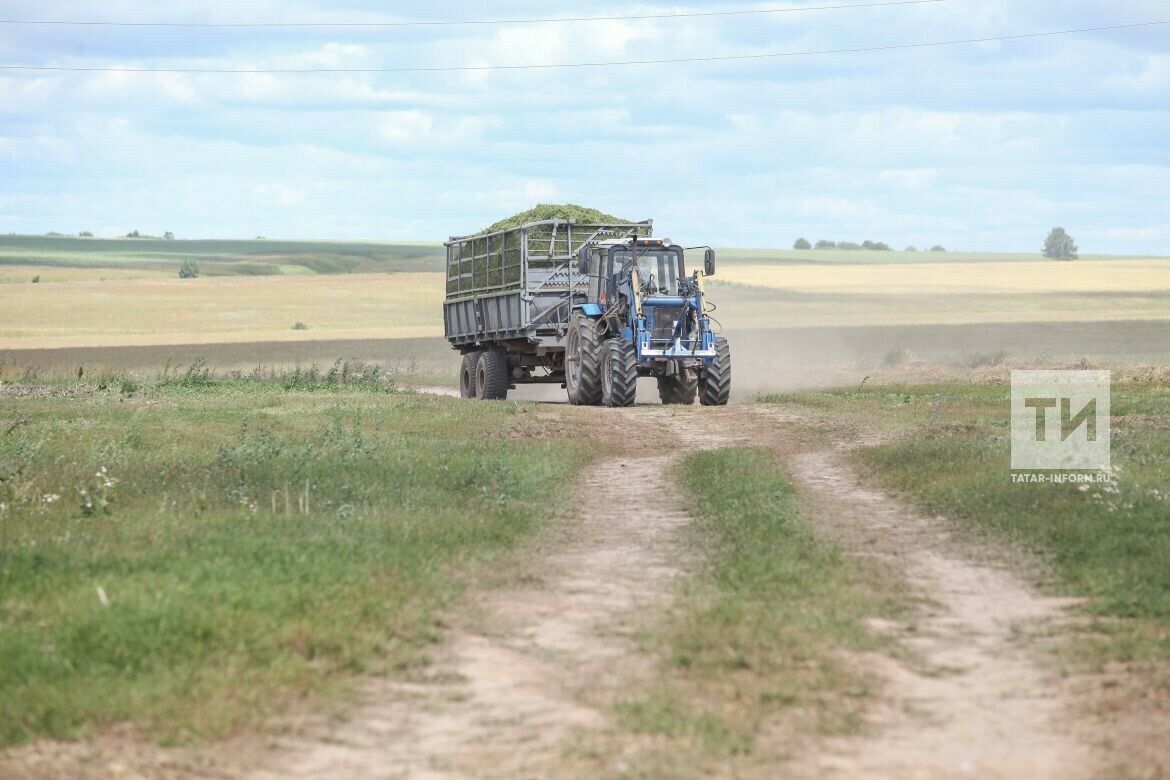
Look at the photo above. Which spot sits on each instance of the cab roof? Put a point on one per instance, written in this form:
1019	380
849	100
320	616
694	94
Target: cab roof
627	240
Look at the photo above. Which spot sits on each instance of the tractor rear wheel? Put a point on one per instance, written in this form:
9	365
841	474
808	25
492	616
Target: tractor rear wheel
680	389
715	380
467	371
583	358
619	378
491	377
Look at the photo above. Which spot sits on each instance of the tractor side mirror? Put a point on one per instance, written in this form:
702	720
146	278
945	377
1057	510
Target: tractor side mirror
709	262
583	261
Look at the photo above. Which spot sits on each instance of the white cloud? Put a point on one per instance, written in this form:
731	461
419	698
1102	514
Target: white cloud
404	128
1152	78
909	178
280	195
540	192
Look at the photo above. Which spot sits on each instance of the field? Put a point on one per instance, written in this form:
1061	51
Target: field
192	555
235	543
220	310
156	257
375	301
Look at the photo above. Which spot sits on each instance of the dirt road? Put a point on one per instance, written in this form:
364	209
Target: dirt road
530	673
540	669
976	699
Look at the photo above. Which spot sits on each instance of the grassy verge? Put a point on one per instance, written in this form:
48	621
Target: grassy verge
948	450
193	553
756	639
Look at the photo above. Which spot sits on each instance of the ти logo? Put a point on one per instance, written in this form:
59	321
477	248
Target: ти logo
1060	420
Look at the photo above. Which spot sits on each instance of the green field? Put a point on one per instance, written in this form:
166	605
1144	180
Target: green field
259	257
190	554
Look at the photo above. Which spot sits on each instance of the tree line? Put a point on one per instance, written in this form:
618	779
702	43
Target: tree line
876	246
1058	246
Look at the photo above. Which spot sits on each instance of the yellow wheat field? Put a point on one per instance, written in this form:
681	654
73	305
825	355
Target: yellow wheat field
1047	276
119	312
209	310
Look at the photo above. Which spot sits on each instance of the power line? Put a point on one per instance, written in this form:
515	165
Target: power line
616	63
468	22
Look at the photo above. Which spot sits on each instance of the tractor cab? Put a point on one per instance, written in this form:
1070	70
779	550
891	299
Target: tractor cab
655	264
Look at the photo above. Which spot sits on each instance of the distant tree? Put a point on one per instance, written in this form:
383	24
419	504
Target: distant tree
85	234
259	238
54	234
848	245
132	234
802	243
189	269
910	248
877	246
169	236
867	244
1059	245
823	244
300	326
938	248
36	279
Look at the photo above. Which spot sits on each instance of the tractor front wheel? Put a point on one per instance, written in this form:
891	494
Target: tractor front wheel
715	380
583	358
619	378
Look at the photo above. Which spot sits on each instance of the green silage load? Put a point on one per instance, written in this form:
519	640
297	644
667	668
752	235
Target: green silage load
566	211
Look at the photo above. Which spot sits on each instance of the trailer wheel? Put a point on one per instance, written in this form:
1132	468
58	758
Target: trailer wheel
467	375
583	358
715	380
680	389
619	377
491	376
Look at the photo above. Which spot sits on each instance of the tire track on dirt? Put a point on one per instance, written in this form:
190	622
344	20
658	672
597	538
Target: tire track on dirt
976	700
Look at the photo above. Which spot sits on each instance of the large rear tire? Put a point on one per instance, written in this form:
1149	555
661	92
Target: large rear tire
583	361
715	380
619	378
492	376
467	372
680	389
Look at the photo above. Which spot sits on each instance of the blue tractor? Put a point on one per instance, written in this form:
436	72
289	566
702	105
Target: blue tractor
643	315
591	307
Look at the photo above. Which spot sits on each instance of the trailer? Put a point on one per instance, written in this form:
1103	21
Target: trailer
539	303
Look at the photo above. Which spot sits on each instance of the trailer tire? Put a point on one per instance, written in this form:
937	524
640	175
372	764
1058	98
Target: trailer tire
680	389
467	375
715	380
492	375
619	378
583	346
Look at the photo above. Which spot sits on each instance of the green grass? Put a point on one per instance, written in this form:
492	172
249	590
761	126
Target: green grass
758	636
222	257
949	452
192	554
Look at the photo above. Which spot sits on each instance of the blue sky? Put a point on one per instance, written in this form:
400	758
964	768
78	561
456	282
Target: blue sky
980	147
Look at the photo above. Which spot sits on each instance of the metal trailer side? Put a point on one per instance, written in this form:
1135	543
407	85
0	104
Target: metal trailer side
513	289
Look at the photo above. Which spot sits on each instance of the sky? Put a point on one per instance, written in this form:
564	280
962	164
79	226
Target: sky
981	147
